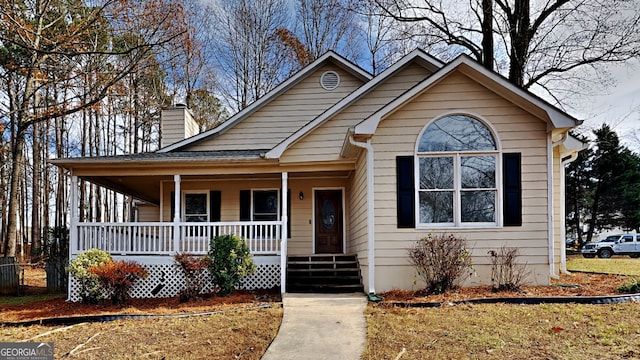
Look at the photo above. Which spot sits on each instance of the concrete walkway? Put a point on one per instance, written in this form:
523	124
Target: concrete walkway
320	326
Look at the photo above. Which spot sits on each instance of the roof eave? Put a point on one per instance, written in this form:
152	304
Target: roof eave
554	117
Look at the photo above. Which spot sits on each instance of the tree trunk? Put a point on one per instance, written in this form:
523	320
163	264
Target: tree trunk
3	207
594	212
36	195
520	31
17	157
487	34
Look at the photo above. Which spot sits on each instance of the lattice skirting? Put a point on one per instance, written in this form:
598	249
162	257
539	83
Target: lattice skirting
166	280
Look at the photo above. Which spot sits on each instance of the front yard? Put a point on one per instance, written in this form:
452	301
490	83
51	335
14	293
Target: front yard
499	331
243	334
488	331
240	326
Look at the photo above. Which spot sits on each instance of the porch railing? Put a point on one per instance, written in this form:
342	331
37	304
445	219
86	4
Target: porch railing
157	238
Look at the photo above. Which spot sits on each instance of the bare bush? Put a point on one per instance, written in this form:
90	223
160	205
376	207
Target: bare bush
506	273
442	261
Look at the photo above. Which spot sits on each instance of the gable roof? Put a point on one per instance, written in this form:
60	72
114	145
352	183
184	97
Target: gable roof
493	81
271	95
416	55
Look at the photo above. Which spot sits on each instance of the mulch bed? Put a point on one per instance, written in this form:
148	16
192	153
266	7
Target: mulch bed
35	284
581	284
59	307
576	284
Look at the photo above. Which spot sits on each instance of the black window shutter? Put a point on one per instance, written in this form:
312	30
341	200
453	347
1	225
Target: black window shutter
405	192
173	205
512	189
290	214
245	205
215	200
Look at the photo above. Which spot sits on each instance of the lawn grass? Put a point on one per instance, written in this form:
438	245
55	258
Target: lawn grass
499	331
243	334
17	300
615	265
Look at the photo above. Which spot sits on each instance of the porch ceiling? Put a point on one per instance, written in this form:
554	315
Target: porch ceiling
147	187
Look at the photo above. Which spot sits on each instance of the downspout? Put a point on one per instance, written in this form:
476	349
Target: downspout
550	217
283	233
550	145
370	209
563	254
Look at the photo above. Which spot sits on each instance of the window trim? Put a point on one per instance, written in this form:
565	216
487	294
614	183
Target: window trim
278	205
457	186
184	203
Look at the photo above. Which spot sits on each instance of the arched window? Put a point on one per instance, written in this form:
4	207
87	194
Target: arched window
456	173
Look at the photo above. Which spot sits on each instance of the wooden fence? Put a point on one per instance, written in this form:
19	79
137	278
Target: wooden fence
9	279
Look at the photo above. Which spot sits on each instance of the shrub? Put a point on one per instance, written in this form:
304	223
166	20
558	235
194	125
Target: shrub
506	273
194	269
633	287
230	262
117	277
91	291
442	261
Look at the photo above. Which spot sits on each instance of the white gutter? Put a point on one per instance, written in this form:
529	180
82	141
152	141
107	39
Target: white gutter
370	209
552	267
563	230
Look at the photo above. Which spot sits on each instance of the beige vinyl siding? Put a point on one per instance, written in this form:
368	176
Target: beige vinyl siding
148	213
284	115
191	127
300	213
517	131
325	142
177	124
357	240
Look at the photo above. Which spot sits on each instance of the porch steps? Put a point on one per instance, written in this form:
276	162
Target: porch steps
326	273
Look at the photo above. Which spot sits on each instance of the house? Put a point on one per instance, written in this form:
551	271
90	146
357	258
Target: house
335	161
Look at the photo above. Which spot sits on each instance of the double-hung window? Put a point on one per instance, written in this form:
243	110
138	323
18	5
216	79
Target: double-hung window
456	171
265	205
196	207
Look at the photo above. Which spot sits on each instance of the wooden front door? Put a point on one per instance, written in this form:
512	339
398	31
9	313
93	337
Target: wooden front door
328	221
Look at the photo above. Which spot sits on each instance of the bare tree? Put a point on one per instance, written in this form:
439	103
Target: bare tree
40	37
248	54
328	25
543	41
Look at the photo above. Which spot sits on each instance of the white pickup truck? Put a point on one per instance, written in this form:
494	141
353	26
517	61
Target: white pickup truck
626	244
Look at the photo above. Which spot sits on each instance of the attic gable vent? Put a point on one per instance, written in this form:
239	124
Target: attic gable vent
330	80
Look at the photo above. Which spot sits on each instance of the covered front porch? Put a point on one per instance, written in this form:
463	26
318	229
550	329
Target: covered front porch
197	216
277	213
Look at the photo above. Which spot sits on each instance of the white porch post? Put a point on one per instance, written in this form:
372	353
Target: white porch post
176	213
73	224
285	235
73	220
